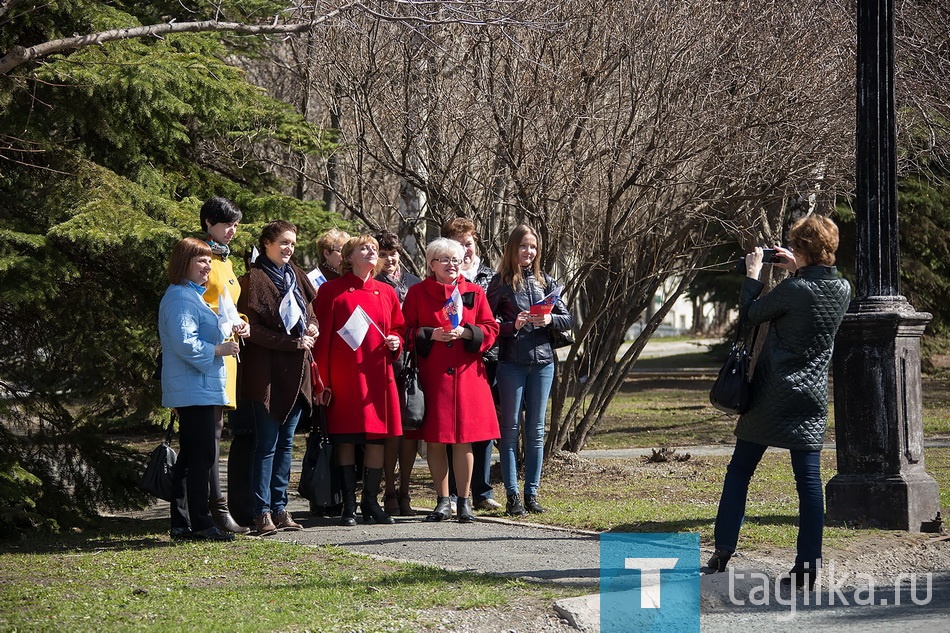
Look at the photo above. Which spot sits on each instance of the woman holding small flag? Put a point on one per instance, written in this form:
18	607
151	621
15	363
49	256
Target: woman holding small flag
219	219
527	303
450	326
361	329
275	368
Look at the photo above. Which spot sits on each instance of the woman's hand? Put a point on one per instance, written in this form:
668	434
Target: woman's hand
446	336
243	330
305	342
522	319
785	259
392	342
228	348
540	320
753	263
313	330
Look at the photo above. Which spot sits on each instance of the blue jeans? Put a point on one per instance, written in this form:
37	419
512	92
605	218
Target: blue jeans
811	506
270	470
521	384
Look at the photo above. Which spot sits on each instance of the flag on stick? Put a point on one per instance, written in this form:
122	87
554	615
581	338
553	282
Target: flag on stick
356	327
452	310
289	310
316	277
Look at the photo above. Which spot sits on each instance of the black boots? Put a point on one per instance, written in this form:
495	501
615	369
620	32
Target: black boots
348	514
531	504
802	575
463	510
369	505
717	562
514	508
442	511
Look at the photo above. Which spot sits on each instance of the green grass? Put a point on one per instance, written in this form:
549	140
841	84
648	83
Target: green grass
129	577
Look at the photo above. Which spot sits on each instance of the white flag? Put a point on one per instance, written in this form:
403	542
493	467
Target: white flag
254	254
228	315
356	327
316	277
289	311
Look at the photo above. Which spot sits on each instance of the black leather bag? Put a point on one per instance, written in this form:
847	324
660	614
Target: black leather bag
321	479
157	479
732	390
411	399
560	338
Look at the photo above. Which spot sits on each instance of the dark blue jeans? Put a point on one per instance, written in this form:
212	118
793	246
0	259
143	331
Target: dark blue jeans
270	470
735	489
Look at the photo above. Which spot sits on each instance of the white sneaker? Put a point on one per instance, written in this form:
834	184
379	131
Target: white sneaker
487	504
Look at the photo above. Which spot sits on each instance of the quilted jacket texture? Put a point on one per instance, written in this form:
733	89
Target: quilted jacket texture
789	406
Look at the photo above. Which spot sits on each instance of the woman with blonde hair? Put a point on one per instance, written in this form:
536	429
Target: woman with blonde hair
361	329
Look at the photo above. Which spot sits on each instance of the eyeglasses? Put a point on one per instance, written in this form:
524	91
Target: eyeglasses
445	261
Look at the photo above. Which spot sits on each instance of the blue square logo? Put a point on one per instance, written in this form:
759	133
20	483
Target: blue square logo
649	582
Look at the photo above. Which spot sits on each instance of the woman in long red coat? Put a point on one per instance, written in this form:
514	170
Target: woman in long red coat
361	329
450	326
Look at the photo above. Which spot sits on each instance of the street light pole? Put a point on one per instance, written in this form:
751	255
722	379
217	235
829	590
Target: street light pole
881	479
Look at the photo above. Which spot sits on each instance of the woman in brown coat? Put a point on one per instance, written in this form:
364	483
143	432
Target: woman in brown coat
275	368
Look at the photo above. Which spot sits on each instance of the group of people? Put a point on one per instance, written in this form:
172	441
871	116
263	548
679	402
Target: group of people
281	344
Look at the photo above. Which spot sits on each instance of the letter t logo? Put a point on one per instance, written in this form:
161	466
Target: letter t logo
650	578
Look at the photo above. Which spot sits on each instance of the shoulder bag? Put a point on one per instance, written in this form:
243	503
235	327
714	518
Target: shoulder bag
732	391
157	479
411	399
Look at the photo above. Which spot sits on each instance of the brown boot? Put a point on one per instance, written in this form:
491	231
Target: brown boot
283	521
264	525
222	517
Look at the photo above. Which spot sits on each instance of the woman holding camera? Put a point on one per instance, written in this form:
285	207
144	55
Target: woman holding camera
789	403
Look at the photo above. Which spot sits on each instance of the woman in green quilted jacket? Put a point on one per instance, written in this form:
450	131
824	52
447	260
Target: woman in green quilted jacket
789	405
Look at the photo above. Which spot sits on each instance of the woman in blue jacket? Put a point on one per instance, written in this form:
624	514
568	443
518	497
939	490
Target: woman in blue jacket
525	360
193	383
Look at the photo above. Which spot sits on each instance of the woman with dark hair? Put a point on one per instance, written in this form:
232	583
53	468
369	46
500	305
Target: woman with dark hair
401	449
361	329
789	403
193	383
275	369
475	270
525	360
450	326
219	220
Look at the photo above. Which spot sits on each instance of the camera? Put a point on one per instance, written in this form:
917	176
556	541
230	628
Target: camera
769	256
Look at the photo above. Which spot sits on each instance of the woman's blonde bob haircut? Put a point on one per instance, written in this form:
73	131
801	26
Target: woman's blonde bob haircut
346	266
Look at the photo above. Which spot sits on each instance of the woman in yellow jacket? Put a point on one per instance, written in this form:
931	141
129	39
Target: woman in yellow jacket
219	220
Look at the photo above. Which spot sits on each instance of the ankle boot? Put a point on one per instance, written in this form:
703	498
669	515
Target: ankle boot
802	575
464	510
514	508
442	511
369	504
222	517
531	504
717	562
348	514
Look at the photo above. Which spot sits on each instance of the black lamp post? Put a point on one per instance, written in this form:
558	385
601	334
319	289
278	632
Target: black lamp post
881	479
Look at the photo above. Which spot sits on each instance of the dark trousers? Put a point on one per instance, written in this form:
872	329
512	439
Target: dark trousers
481	454
192	472
735	489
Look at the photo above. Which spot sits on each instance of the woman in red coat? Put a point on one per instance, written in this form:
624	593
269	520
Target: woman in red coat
361	329
450	326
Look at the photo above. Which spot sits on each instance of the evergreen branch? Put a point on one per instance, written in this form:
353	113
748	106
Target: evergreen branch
19	55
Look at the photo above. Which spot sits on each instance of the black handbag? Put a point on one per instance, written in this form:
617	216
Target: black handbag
157	479
321	480
412	401
560	338
732	390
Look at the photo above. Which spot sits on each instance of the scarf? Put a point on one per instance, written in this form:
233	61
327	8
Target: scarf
286	281
221	250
